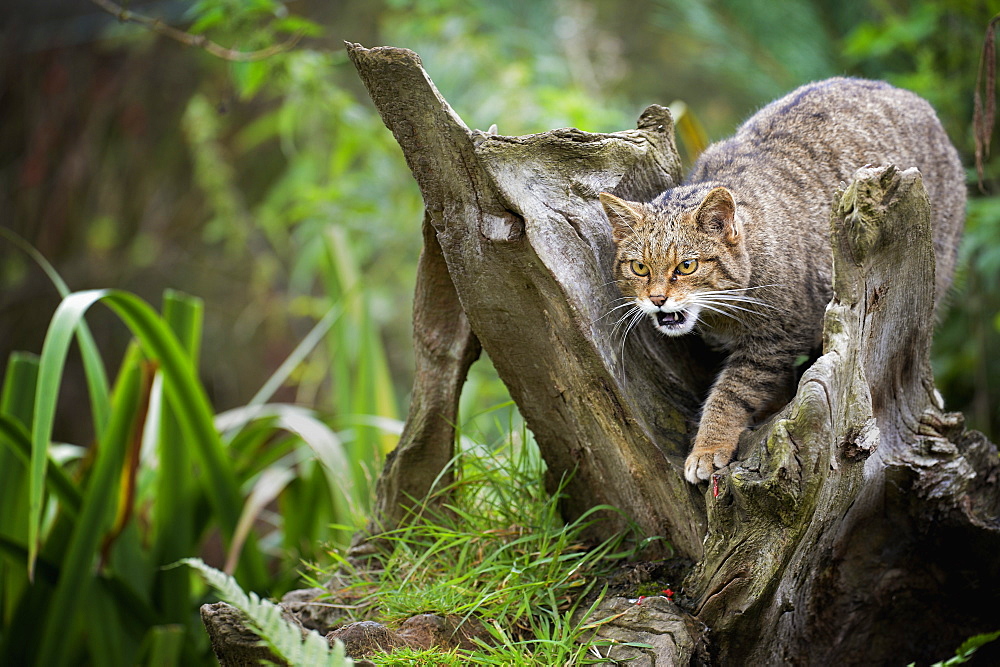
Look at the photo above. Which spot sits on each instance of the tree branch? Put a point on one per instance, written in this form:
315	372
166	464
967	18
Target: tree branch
200	41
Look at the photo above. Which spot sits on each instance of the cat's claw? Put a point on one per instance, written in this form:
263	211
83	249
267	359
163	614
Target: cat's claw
701	464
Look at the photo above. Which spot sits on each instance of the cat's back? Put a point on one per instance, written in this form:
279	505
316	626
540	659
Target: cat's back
792	154
832	128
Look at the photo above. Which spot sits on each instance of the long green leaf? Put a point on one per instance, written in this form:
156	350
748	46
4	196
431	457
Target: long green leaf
18	393
93	367
16	398
188	398
54	350
185	393
163	646
184	314
18	440
190	406
173	518
108	640
75	576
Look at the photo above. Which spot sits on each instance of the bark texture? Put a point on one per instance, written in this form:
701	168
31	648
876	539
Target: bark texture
233	643
518	243
861	523
847	534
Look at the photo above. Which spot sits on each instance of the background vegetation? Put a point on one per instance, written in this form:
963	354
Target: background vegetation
271	192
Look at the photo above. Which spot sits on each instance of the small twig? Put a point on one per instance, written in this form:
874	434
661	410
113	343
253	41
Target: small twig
982	120
200	41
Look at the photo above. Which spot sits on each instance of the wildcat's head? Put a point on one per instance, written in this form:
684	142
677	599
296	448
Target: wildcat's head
680	261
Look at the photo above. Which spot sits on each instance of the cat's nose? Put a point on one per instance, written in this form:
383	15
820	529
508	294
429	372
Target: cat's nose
657	299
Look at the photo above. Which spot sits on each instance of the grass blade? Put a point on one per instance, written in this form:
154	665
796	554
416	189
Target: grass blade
301	351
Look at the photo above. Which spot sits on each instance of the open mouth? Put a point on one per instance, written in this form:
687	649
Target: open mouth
674	320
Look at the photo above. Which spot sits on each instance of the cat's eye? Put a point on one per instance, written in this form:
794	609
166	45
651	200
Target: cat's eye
638	268
687	267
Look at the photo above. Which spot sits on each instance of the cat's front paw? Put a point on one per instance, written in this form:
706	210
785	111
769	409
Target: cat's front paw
703	461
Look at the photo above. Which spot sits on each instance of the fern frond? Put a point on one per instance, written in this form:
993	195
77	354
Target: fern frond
265	618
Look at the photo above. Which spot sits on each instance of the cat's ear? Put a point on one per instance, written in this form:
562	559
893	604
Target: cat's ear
717	214
624	216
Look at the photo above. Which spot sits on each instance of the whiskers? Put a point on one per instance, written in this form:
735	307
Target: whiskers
733	303
625	323
622	302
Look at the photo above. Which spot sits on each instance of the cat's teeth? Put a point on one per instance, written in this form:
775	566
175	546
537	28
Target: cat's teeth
670	319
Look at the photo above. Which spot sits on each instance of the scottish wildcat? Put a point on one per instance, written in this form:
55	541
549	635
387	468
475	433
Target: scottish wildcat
740	252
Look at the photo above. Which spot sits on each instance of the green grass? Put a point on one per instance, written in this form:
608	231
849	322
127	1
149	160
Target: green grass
408	657
492	547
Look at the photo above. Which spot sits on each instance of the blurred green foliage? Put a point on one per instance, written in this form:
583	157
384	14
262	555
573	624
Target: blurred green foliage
96	528
272	190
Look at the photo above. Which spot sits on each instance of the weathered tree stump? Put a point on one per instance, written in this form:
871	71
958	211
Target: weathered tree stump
517	258
860	524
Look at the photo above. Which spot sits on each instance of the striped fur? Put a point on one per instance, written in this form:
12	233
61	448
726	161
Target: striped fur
752	219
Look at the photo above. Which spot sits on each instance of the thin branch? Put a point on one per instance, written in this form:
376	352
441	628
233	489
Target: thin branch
200	41
982	120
